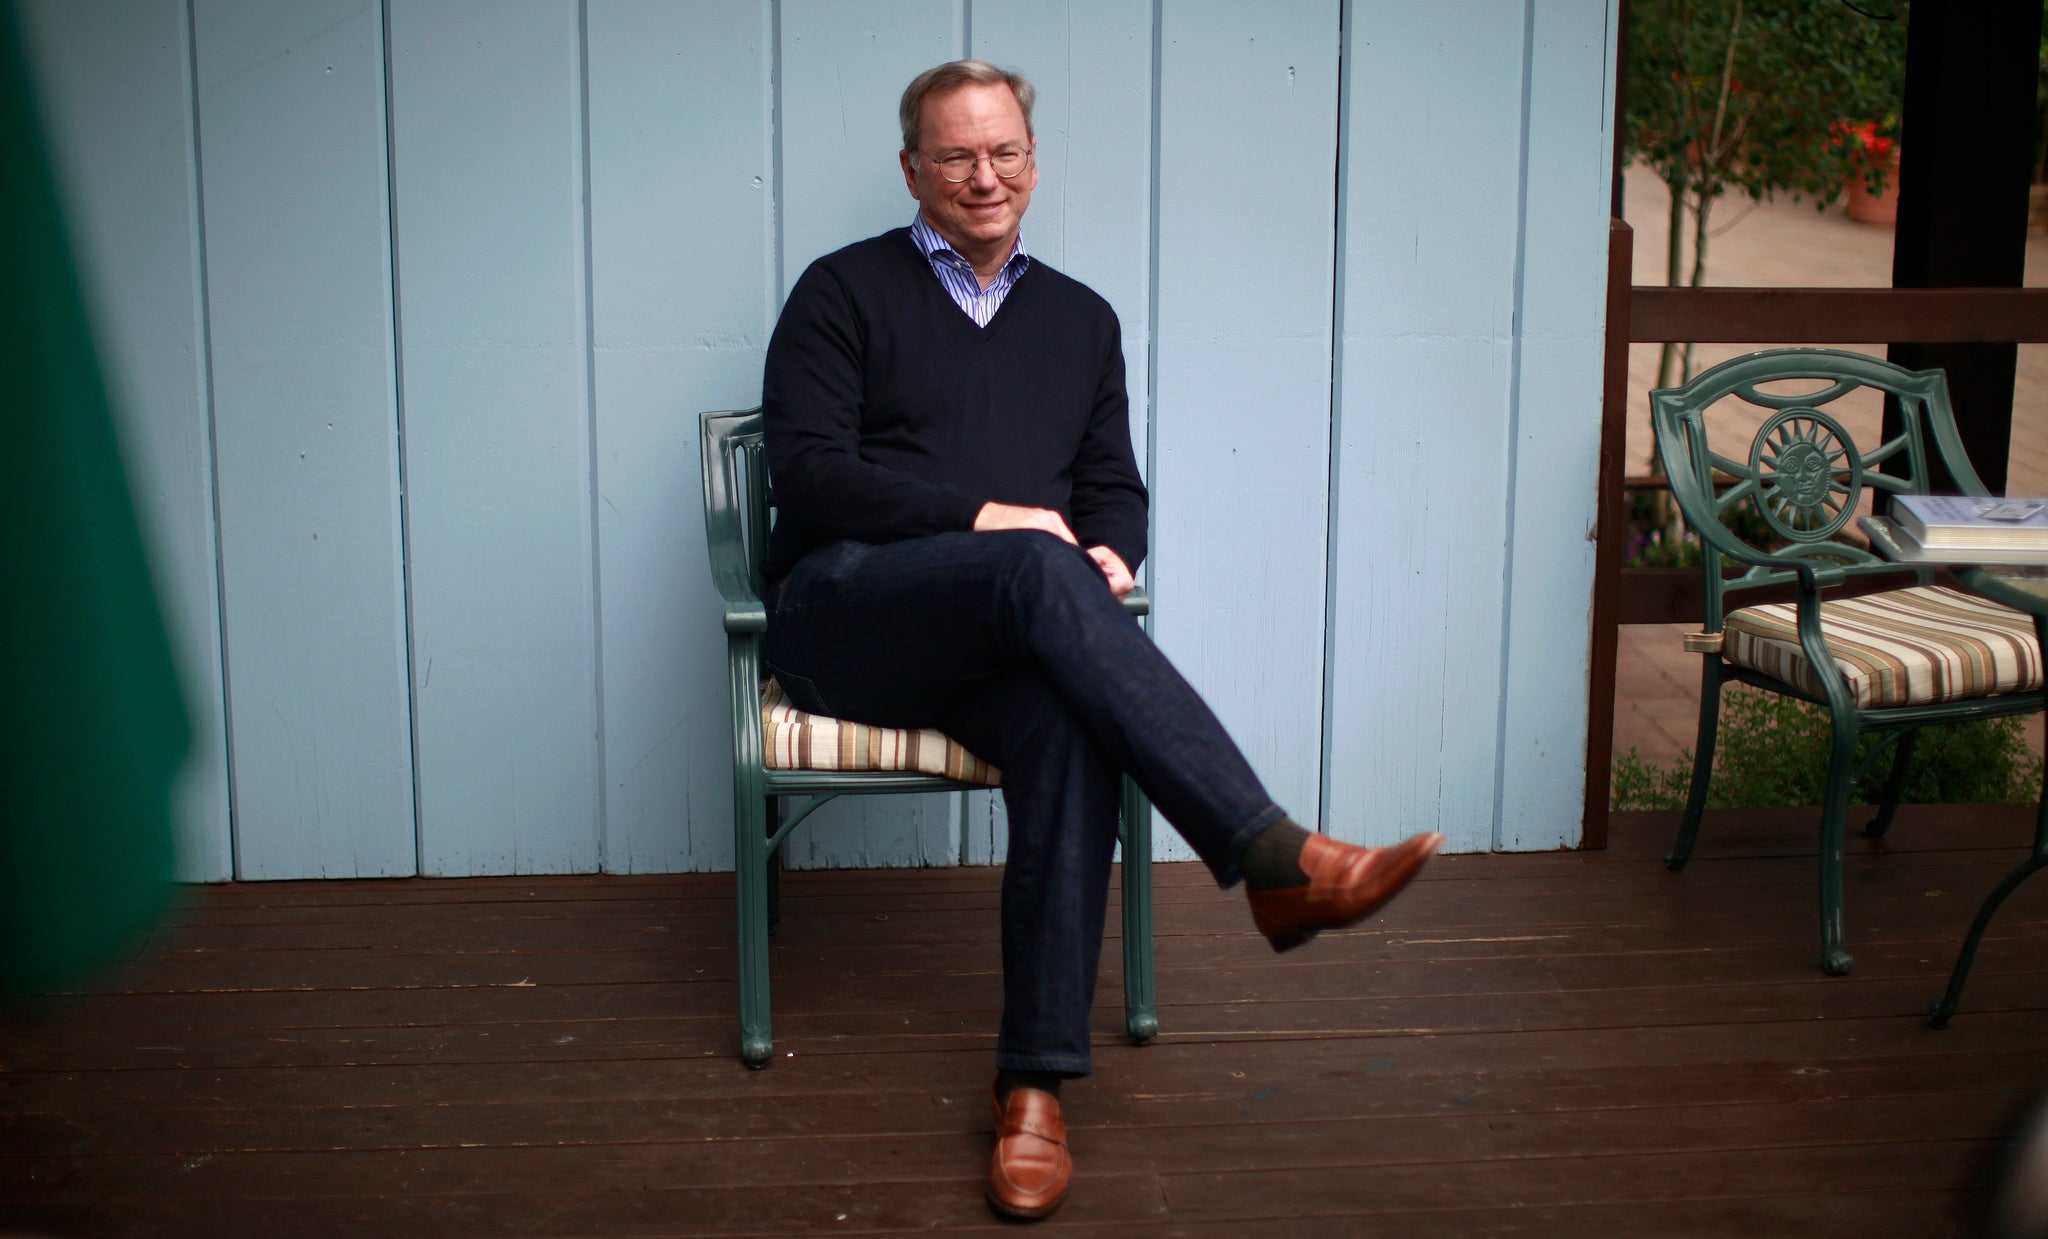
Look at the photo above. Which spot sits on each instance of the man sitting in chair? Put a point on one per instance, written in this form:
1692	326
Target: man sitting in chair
959	515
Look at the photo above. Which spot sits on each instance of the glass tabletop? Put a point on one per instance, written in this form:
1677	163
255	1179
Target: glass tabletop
2024	586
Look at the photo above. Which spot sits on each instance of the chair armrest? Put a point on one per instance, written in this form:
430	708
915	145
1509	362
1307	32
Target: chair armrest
730	575
743	611
1813	576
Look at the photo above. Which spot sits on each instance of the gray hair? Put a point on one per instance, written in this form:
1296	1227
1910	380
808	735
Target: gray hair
952	76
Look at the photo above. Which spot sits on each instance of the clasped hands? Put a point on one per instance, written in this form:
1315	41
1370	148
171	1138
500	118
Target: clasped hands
1011	516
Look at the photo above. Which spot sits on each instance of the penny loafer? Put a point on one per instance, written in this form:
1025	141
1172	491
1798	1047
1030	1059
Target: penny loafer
1030	1172
1346	884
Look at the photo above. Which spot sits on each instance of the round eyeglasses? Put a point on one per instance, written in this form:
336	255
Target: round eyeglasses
960	166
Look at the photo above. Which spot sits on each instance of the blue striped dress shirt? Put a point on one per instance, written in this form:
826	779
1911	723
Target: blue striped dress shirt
956	274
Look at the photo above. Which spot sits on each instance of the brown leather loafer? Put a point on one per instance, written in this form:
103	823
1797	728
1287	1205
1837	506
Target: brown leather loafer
1346	884
1029	1174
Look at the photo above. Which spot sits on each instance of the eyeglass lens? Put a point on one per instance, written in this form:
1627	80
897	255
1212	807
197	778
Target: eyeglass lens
1005	163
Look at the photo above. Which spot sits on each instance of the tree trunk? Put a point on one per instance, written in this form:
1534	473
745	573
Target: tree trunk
1674	264
1702	207
1667	352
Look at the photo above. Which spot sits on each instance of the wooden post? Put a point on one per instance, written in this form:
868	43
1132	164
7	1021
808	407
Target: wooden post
1967	153
1613	533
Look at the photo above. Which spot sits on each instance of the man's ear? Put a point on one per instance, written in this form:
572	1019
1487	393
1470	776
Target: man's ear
909	173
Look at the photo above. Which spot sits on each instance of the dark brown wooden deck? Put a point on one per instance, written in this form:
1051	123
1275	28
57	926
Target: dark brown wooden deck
1548	1044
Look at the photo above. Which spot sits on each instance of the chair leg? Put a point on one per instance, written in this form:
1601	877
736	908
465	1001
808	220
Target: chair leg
1893	786
1946	1005
1702	763
750	865
773	819
1141	1018
1834	960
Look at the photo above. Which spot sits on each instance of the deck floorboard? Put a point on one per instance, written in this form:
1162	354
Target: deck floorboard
1555	1044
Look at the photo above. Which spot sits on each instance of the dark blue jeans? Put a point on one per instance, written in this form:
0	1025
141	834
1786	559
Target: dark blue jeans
1011	643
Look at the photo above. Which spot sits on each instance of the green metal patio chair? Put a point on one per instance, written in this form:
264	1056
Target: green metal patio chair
1889	662
737	505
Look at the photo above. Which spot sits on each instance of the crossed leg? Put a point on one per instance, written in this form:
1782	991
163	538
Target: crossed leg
1011	643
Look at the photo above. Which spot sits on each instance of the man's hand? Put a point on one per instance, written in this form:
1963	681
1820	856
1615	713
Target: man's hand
995	515
1114	570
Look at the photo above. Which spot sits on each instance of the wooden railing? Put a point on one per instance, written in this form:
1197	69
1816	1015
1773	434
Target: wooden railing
1836	315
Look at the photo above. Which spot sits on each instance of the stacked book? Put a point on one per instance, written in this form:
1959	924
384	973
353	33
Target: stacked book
1957	529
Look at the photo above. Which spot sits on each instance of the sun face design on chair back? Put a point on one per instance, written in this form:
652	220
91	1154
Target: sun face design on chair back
1807	472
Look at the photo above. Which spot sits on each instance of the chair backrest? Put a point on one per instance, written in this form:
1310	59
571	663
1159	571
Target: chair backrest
737	498
1799	473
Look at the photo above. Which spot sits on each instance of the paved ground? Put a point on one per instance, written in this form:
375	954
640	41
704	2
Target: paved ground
1788	244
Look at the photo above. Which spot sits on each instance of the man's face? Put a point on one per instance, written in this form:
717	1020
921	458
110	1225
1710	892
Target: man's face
978	216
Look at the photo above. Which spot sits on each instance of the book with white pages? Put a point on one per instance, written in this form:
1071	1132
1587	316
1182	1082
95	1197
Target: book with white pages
1972	522
1891	541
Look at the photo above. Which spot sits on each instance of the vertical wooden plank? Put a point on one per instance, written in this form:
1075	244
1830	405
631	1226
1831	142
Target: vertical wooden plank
844	64
1246	166
487	196
1432	127
871	832
984	829
1091	213
115	85
292	147
684	294
1568	168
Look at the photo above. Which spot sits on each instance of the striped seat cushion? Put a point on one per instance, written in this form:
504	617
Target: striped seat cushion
794	740
1904	647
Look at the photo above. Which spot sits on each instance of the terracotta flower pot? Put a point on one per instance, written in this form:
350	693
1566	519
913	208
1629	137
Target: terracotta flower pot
1883	209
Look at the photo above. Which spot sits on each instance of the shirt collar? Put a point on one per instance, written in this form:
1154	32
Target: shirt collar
934	247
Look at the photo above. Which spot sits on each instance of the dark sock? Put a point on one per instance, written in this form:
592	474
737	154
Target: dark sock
1007	1080
1271	861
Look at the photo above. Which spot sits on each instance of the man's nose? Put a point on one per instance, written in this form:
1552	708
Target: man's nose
984	178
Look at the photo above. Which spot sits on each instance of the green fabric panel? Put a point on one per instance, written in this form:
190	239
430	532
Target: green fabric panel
94	728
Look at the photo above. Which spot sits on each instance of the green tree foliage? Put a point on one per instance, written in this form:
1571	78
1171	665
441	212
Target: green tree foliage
1761	96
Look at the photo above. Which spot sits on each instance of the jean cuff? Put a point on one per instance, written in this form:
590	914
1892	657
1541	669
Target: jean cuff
1065	1066
1228	874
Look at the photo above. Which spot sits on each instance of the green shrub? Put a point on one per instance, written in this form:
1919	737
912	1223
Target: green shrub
1773	750
1651	545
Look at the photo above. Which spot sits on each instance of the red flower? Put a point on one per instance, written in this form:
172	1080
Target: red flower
1868	141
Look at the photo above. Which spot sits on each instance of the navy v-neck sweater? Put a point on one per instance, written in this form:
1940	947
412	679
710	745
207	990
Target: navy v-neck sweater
890	415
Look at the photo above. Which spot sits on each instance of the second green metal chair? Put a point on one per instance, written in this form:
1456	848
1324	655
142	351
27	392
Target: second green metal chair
1889	662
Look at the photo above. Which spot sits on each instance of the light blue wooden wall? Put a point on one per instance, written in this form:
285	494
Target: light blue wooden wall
487	176
412	305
